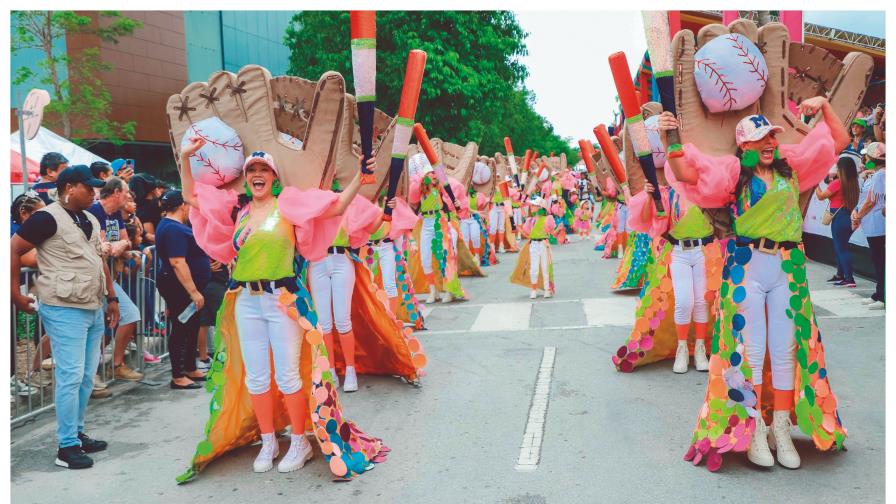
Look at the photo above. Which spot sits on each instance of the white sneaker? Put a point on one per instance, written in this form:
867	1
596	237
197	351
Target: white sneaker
681	358
351	380
700	360
447	297
533	294
548	293
299	453
264	462
779	440
877	305
868	301
758	453
432	294
335	378
22	389
203	365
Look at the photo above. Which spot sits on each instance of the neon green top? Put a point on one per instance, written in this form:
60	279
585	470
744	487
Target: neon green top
538	232
431	202
497	197
773	212
474	206
515	204
264	253
380	233
689	225
341	239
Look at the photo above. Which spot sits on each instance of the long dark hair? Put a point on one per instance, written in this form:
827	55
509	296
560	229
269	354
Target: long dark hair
746	173
849	184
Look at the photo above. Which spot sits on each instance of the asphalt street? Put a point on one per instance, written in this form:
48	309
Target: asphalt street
521	404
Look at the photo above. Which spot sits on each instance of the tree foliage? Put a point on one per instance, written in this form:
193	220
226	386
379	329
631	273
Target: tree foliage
473	87
80	104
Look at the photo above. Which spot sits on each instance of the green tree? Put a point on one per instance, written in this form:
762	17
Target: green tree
474	85
80	103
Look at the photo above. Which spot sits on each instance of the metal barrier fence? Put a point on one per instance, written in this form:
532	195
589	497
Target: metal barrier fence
31	382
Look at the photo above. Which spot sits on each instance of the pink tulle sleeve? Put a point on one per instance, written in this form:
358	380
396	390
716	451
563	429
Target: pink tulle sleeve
549	226
459	193
654	226
481	201
812	158
716	178
213	221
360	219
414	188
304	209
568	182
403	219
611	188
527	226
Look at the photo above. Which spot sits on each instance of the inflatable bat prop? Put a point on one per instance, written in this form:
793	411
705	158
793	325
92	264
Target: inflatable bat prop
407	109
437	166
363	33
659	45
609	150
512	158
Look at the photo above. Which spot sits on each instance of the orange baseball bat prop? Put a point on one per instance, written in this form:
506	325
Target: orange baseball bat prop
512	158
612	154
438	168
407	109
363	44
587	150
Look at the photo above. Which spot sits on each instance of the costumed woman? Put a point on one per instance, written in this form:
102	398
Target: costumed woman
535	265
583	219
496	221
764	301
632	270
267	317
469	226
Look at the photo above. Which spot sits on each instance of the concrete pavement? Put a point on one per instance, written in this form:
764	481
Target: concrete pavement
607	436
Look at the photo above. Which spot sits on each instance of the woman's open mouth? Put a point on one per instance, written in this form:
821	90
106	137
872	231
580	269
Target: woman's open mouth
258	184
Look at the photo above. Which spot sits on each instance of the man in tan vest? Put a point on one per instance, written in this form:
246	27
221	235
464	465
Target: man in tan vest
72	283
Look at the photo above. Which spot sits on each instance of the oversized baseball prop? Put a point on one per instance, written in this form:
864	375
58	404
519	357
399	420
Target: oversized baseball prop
220	160
527	161
608	148
363	30
407	109
512	158
730	73
634	123
659	45
438	167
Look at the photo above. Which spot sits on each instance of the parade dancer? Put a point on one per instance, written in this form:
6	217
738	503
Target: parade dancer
496	221
535	265
583	219
516	197
469	225
764	301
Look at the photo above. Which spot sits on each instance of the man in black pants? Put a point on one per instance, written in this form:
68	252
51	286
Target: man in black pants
184	271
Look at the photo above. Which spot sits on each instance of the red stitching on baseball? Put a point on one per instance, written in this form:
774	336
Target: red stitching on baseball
207	162
748	59
726	87
238	147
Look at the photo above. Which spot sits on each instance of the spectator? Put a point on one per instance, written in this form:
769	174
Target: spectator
184	273
148	211
857	134
101	170
71	287
123	169
870	215
115	243
51	164
880	123
843	194
214	295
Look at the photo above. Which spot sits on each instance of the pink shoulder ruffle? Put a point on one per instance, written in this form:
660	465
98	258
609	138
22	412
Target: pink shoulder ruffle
716	178
812	157
655	226
549	226
459	192
360	220
404	219
304	209
213	221
414	187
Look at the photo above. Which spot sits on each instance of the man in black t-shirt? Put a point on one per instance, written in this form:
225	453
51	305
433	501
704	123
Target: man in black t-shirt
51	164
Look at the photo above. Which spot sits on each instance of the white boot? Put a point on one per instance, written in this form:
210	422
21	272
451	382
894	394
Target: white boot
447	297
779	440
269	451
432	294
700	361
299	453
681	358
351	380
759	453
533	294
548	293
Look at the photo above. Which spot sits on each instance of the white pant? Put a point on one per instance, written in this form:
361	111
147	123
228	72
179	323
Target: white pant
517	217
621	218
427	233
332	280
469	228
767	286
387	268
538	256
496	219
264	326
688	271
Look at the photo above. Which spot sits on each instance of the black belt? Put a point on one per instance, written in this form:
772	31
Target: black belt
693	243
537	239
765	245
342	250
429	214
269	286
384	240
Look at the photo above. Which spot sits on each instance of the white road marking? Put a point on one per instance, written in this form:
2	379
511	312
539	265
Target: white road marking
843	303
530	449
613	311
503	317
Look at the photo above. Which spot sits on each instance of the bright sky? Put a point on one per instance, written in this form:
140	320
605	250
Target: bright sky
568	51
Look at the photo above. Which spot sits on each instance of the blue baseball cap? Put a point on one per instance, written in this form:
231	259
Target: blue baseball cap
78	174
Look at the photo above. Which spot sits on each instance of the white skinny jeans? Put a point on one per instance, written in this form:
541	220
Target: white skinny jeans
496	219
538	256
332	280
387	268
263	327
469	228
688	270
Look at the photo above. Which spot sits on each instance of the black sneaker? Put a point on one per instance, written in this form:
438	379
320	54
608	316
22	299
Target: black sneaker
851	284
91	445
73	457
835	279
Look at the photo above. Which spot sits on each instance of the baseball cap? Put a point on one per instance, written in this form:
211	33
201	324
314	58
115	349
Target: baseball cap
78	174
753	128
171	200
860	121
117	164
875	150
263	158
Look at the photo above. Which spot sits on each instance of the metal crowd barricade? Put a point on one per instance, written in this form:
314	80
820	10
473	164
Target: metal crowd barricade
31	388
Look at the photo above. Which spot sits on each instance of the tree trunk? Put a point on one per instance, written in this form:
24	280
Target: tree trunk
47	41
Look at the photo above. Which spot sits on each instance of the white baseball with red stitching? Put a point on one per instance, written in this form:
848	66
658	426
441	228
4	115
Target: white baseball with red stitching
220	160
730	73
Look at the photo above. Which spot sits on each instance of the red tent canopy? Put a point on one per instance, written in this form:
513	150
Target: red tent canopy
15	168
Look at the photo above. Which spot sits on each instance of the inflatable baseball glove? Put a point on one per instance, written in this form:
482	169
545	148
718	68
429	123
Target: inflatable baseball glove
259	108
349	148
459	161
502	167
817	73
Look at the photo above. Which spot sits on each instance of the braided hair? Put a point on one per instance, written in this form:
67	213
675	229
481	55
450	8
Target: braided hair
25	203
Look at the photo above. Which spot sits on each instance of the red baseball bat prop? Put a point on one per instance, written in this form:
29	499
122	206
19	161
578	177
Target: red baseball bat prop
587	150
438	168
612	154
363	32
634	123
512	158
407	109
